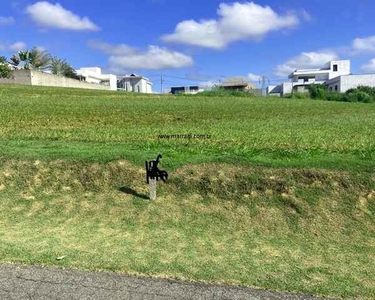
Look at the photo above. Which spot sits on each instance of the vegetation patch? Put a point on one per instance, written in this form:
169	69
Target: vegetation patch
298	230
101	126
364	94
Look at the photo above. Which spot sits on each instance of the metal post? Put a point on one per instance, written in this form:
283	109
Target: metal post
153	189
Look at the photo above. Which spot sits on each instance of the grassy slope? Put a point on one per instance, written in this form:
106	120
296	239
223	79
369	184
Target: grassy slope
299	230
101	126
290	230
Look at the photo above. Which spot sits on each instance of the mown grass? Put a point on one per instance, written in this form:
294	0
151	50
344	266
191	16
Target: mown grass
72	184
307	231
101	126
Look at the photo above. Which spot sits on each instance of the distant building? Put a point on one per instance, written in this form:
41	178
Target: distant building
343	83
94	75
134	83
186	90
237	84
334	74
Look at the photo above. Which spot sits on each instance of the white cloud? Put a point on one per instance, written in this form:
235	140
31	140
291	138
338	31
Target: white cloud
305	15
117	50
14	47
369	67
208	85
49	15
237	21
253	77
17	46
7	20
155	58
364	44
305	60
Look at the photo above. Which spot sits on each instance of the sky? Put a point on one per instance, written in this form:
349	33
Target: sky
194	42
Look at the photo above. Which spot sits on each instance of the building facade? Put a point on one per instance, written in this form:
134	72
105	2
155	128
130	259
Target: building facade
343	83
301	79
192	90
237	84
134	83
94	75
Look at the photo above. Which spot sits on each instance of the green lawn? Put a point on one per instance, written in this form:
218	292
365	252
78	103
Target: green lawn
281	197
101	126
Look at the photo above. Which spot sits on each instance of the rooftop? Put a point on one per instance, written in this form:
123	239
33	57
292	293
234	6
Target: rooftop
235	81
135	76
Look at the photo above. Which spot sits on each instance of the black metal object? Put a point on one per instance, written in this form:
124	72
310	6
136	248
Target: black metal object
153	172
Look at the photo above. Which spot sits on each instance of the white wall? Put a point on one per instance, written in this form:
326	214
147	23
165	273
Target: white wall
353	81
33	77
347	82
343	68
287	88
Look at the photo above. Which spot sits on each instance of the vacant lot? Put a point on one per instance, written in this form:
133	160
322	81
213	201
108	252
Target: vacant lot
101	126
72	186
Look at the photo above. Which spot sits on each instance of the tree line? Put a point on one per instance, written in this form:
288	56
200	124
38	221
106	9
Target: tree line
36	59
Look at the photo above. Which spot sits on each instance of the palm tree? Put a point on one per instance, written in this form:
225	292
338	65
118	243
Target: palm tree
35	59
62	68
39	59
15	61
21	59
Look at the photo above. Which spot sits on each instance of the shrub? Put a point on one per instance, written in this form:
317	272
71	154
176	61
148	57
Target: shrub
358	96
364	94
366	89
318	91
330	96
4	69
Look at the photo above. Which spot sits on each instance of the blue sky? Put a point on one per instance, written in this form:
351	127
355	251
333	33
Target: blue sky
194	42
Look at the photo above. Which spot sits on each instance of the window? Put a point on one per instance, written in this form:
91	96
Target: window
335	68
330	88
336	88
306	78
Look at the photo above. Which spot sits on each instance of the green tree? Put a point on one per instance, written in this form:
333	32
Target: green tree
62	68
21	59
34	59
39	59
4	68
15	60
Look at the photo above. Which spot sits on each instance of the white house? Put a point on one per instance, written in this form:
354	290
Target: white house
300	79
188	90
335	75
94	75
332	69
134	83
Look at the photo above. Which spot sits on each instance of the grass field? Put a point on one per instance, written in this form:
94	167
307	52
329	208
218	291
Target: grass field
282	196
101	126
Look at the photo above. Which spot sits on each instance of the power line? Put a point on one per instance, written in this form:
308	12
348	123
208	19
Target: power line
185	78
263	80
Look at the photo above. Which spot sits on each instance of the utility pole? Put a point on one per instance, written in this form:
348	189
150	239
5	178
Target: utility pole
161	83
263	80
